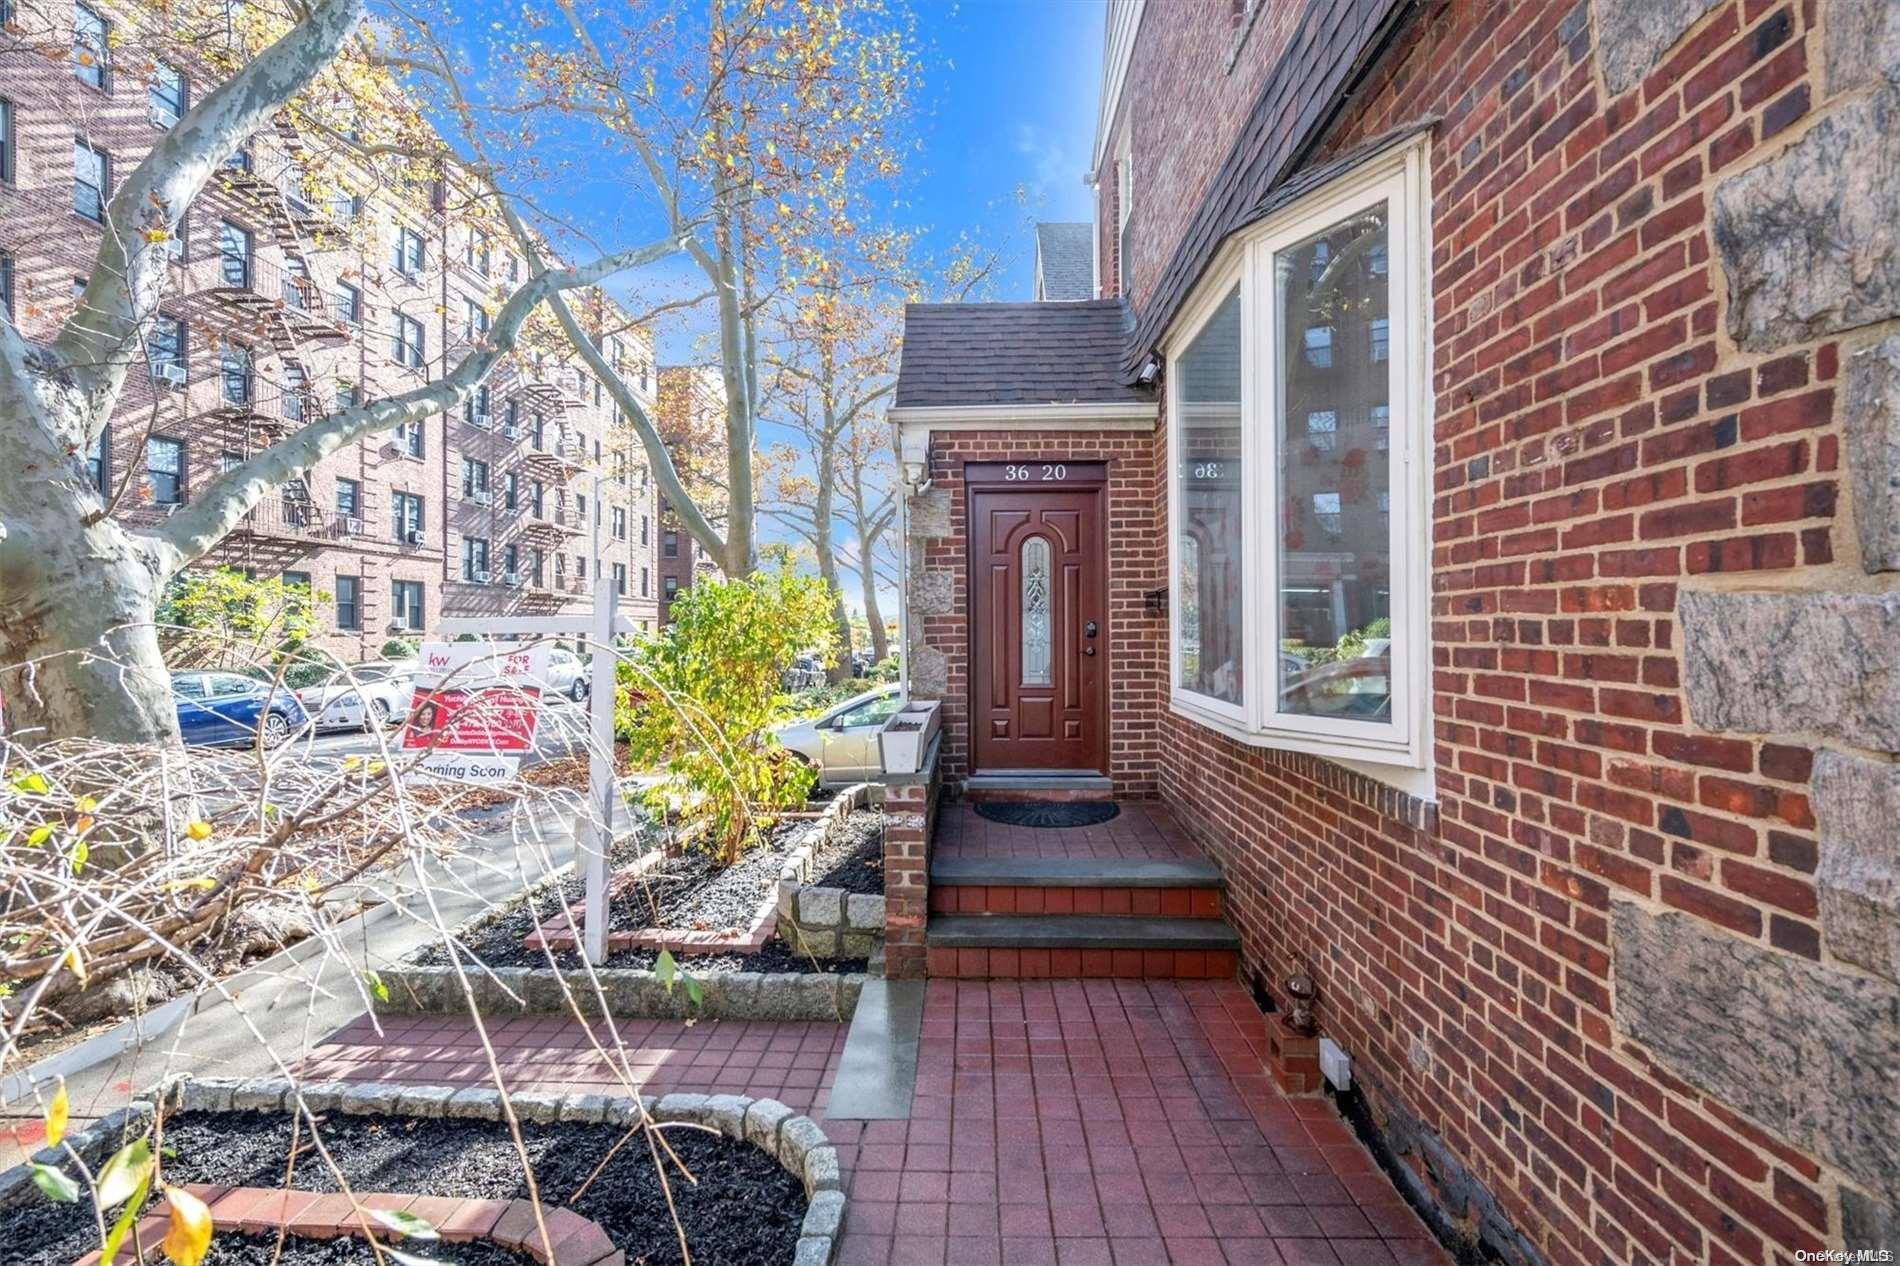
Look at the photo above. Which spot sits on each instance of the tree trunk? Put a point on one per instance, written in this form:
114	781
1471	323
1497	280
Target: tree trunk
78	647
867	578
821	541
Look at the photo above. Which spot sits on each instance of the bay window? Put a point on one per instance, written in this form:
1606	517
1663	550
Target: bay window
1297	415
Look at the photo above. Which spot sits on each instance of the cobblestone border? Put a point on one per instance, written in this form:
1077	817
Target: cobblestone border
796	1141
630	993
826	921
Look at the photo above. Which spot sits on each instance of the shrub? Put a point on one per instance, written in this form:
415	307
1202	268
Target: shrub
699	701
400	648
217	617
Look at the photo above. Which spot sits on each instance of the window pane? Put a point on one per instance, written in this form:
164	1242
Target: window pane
1038	632
1207	385
1335	547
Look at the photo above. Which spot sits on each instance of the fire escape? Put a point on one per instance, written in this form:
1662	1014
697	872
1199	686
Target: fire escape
257	305
552	458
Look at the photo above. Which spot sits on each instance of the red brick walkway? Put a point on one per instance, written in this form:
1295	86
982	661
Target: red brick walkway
790	1062
1111	1123
1142	829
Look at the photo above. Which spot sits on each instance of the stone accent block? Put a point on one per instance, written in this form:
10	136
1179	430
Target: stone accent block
799	1135
424	1101
201	1095
864	910
474	1103
1857	811
1807	239
370	1098
813	1250
1804	1049
583	1108
1870	415
821	1170
260	1095
825	1216
540	1106
726	1113
1790	662
1633	35
933	592
821	906
1863	47
762	1122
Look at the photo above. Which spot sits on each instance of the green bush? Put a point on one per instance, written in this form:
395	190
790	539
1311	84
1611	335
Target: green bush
699	701
400	648
218	617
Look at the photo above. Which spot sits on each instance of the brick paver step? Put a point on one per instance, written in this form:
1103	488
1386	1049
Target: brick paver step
1078	931
1075	872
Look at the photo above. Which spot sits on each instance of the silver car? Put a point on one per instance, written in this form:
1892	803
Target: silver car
841	744
363	696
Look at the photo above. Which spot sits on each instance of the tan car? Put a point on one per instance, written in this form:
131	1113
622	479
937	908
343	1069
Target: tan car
841	744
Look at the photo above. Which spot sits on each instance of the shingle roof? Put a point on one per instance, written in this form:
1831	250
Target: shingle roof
1014	353
1065	260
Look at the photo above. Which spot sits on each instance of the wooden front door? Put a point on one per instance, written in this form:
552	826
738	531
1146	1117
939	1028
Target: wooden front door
1039	617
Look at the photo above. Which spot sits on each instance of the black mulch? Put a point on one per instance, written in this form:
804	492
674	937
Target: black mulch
497	938
745	1210
854	859
1050	813
690	893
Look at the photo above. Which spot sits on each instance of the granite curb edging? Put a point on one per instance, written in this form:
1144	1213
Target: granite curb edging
822	921
630	993
794	1140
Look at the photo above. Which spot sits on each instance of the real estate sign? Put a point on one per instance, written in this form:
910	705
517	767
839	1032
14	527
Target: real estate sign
475	709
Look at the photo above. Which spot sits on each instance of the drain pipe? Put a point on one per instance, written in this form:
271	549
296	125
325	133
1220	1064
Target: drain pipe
903	589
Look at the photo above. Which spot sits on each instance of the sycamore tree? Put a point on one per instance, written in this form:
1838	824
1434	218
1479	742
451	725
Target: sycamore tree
79	587
763	134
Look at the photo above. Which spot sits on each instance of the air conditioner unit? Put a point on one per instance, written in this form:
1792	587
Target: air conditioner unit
412	538
480	496
169	372
348	526
511	578
511	430
480	577
161	116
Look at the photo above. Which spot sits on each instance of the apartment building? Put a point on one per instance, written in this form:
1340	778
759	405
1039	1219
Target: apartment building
287	302
691	410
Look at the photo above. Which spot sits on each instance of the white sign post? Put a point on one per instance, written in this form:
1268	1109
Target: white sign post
597	830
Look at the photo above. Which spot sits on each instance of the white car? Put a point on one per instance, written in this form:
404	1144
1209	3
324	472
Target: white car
567	675
363	696
842	744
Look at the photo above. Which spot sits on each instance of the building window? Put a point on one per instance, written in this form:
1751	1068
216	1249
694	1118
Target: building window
177	244
511	561
620	579
165	470
349	498
620	524
99	461
669	544
411	255
646	529
1124	205
475	408
229	461
349	303
580	566
1298	549
235	374
670	586
538	498
407	604
409	438
405	512
165	350
646	582
474	478
165	99
6	141
511	491
234	255
349	602
407	347
92	47
475	559
92	181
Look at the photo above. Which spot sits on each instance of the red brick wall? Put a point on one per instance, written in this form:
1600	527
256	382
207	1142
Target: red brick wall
1136	667
1597	443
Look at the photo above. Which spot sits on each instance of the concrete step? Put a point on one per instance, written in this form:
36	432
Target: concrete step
1054	785
1087	886
1074	945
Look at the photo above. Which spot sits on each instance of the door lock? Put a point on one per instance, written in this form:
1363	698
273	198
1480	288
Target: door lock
1088	629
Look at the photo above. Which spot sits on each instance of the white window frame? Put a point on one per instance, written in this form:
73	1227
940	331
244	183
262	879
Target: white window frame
1399	180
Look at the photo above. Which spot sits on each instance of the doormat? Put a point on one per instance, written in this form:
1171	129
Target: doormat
1052	813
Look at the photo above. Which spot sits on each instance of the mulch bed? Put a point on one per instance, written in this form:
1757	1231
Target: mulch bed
745	1209
854	858
729	899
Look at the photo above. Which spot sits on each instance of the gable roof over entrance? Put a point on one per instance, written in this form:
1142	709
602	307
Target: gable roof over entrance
985	354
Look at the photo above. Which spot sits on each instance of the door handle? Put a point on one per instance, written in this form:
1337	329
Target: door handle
1088	650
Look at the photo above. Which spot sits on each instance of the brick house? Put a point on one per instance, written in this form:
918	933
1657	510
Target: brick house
279	308
1465	509
691	415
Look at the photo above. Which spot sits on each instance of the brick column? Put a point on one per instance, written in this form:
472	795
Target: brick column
910	815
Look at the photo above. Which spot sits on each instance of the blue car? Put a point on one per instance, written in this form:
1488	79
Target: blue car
227	708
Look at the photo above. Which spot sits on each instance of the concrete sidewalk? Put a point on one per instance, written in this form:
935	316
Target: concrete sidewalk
295	999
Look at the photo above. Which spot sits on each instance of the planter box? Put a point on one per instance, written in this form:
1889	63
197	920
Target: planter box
906	736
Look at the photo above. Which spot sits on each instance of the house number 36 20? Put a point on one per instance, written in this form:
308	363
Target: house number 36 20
1045	471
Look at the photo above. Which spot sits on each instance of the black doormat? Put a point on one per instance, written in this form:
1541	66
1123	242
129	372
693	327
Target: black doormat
1055	813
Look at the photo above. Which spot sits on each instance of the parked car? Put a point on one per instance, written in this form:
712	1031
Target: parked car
363	696
567	675
229	708
841	744
806	671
